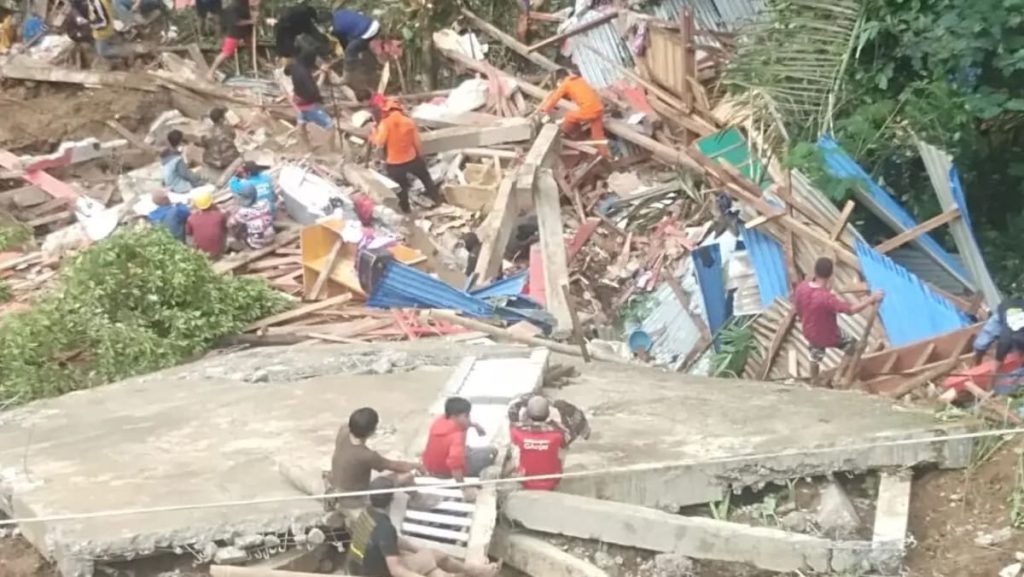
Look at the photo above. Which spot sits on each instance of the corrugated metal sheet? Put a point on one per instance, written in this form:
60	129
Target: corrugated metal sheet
769	264
670	326
918	262
707	261
600	53
507	287
910	311
794	347
402	286
884	206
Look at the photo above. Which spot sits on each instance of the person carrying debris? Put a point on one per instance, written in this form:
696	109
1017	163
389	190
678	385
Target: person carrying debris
168	215
589	107
219	149
377	550
539	439
818	309
296	21
206	228
354	462
253	174
100	16
354	31
398	135
237	24
1005	329
306	94
252	222
446	455
177	176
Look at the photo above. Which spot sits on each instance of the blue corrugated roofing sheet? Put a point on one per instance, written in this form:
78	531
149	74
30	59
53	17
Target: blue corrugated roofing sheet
707	261
506	287
841	165
910	310
401	286
958	195
769	265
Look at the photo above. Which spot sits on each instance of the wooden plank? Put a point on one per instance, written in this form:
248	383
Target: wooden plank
578	29
438	518
923	228
496	230
552	243
919	381
21	68
197	56
417	529
689	55
131	137
853	364
776	343
510	41
298	312
233	571
925	355
844	218
231	264
325	273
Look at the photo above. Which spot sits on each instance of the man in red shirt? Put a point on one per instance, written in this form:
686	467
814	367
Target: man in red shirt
206	227
446	455
819	308
539	440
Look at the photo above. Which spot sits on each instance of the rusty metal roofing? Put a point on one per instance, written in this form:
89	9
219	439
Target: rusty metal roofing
910	310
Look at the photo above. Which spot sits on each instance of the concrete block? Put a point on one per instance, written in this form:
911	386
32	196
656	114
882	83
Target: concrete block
649	529
539	558
892	514
509	130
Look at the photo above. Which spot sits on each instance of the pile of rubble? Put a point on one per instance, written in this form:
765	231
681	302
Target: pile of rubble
690	229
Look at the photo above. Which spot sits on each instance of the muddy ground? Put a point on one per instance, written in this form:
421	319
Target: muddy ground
35	119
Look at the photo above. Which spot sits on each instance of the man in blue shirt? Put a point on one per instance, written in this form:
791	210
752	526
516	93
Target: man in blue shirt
170	216
177	176
354	30
1005	329
253	174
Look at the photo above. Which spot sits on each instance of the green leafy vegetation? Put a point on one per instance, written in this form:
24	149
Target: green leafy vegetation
5	291
13	234
137	302
735	343
950	72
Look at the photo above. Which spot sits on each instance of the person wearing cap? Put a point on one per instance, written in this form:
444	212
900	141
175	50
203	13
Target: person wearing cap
354	31
168	215
398	135
254	174
252	222
589	107
219	149
377	550
206	227
539	441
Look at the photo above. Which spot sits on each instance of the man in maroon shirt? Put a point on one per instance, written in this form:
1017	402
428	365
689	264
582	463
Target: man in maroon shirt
207	226
819	308
539	440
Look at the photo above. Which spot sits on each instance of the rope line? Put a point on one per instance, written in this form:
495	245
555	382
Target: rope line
639	468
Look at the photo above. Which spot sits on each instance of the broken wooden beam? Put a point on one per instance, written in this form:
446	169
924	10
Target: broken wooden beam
510	41
298	312
923	228
508	130
496	230
776	344
552	242
542	153
21	68
578	29
369	182
844	218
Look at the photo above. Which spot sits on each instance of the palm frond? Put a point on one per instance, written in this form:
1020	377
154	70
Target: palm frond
795	57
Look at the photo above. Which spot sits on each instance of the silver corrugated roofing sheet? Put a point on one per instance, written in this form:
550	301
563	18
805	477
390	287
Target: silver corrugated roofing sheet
601	69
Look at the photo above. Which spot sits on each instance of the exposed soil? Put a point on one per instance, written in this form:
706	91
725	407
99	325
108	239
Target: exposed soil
34	120
19	559
950	509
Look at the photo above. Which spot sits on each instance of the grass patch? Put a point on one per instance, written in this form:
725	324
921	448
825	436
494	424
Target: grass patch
137	302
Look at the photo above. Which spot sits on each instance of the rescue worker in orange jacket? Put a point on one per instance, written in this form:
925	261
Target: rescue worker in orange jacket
589	107
400	138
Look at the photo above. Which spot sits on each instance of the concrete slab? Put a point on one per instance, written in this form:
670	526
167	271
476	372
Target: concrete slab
644	528
892	515
507	130
687	438
208	432
539	558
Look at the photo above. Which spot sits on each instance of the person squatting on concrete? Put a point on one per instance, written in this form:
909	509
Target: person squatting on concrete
306	95
354	462
398	135
252	223
171	216
377	550
206	227
539	433
589	107
447	456
1005	329
256	175
818	309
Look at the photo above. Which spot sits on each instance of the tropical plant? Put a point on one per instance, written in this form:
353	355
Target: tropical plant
735	343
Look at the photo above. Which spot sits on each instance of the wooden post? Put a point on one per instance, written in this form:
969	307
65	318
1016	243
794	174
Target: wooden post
847	376
689	55
577	331
329	264
926	226
844	217
776	344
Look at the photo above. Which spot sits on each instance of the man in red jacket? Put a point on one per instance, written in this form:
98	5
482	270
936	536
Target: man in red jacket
539	440
446	455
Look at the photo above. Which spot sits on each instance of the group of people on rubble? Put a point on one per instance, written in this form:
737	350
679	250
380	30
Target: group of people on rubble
540	430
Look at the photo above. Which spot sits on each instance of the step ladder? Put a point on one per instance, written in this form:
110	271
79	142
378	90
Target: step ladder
448	523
